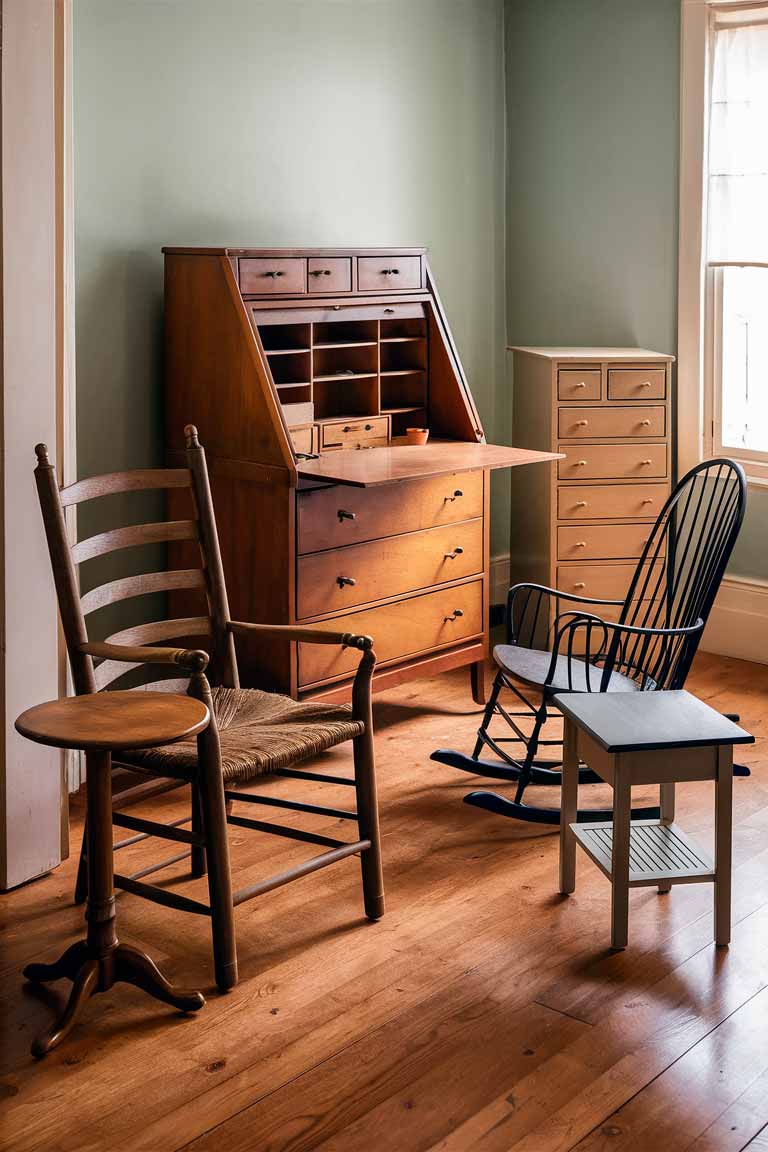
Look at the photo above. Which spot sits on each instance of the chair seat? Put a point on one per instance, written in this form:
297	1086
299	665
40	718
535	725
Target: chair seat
259	732
532	666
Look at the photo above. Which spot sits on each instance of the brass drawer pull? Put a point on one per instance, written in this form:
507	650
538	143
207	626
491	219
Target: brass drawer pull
580	584
274	275
582	423
390	271
454	615
580	544
458	492
581	503
645	423
348	580
581	384
354	427
320	272
645	384
458	551
646	462
389	309
647	500
342	515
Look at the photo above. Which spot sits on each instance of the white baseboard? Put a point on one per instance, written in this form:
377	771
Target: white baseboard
737	626
499	581
738	623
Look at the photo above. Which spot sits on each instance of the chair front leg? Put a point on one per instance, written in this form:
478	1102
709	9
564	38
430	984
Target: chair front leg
199	864
365	788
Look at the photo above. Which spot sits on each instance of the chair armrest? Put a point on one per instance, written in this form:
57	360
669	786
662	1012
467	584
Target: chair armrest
543	589
523	620
307	635
192	659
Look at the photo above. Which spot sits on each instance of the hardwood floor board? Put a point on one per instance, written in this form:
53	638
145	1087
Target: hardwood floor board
690	1096
362	1016
741	1122
758	1143
565	1098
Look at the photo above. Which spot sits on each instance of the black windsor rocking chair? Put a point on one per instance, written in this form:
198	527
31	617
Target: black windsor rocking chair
558	642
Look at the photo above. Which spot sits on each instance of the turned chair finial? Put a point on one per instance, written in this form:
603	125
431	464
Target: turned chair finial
190	433
43	460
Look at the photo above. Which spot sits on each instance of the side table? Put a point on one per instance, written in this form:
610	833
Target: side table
663	738
100	724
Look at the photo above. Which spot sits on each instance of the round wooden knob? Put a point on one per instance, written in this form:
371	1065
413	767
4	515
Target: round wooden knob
582	423
581	503
580	584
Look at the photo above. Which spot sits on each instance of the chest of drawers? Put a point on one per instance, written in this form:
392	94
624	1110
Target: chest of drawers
303	370
607	410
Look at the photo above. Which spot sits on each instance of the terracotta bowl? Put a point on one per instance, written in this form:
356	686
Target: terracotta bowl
417	435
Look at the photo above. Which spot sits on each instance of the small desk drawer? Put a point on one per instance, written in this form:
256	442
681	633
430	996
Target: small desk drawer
601	541
333	517
405	628
349	433
610	501
605	422
361	573
303	439
330	275
388	273
281	276
612	461
578	384
637	383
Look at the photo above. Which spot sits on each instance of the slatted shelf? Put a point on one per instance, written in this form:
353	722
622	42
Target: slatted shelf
656	852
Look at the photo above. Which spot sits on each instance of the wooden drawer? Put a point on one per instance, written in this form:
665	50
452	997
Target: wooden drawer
388	567
350	433
578	384
330	275
388	273
324	315
601	541
637	383
606	581
604	422
304	439
269	277
332	517
610	501
406	628
612	461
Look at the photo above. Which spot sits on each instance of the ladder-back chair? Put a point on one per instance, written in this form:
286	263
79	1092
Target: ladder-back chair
558	642
252	732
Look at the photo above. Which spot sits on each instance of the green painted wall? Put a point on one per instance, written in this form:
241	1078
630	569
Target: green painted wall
282	122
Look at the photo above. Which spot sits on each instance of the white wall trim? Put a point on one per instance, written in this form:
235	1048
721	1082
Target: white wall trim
738	623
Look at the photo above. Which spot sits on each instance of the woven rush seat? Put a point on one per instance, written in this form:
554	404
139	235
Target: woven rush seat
532	666
259	732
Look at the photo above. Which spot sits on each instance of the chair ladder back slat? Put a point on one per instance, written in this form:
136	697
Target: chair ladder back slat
129	586
224	656
134	535
137	480
144	634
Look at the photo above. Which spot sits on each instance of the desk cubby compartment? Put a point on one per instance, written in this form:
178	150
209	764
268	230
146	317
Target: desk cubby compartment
344	334
284	339
346	380
291	371
404	329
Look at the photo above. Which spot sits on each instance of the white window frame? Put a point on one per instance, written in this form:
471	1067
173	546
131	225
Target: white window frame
699	386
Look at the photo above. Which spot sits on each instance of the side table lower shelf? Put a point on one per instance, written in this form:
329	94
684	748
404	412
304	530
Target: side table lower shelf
657	852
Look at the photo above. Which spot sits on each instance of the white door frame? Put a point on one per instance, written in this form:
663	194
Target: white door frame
37	404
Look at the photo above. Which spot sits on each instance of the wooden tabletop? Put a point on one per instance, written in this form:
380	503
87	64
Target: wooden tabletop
112	720
649	721
388	465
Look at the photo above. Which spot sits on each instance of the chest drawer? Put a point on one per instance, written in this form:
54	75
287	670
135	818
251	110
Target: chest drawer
332	274
333	517
360	573
578	384
612	461
604	422
281	275
388	273
605	581
601	541
406	628
610	501
303	439
637	383
349	433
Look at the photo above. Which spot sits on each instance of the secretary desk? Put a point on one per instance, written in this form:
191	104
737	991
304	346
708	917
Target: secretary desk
302	370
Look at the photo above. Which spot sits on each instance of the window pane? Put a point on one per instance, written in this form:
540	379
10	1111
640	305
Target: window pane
744	364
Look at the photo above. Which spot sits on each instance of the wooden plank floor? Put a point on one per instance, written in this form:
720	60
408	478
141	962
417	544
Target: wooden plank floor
484	1012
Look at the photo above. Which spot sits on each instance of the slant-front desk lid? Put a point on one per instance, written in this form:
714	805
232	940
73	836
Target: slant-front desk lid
367	467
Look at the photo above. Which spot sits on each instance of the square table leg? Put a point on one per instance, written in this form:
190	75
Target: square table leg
622	814
723	844
568	808
667	807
